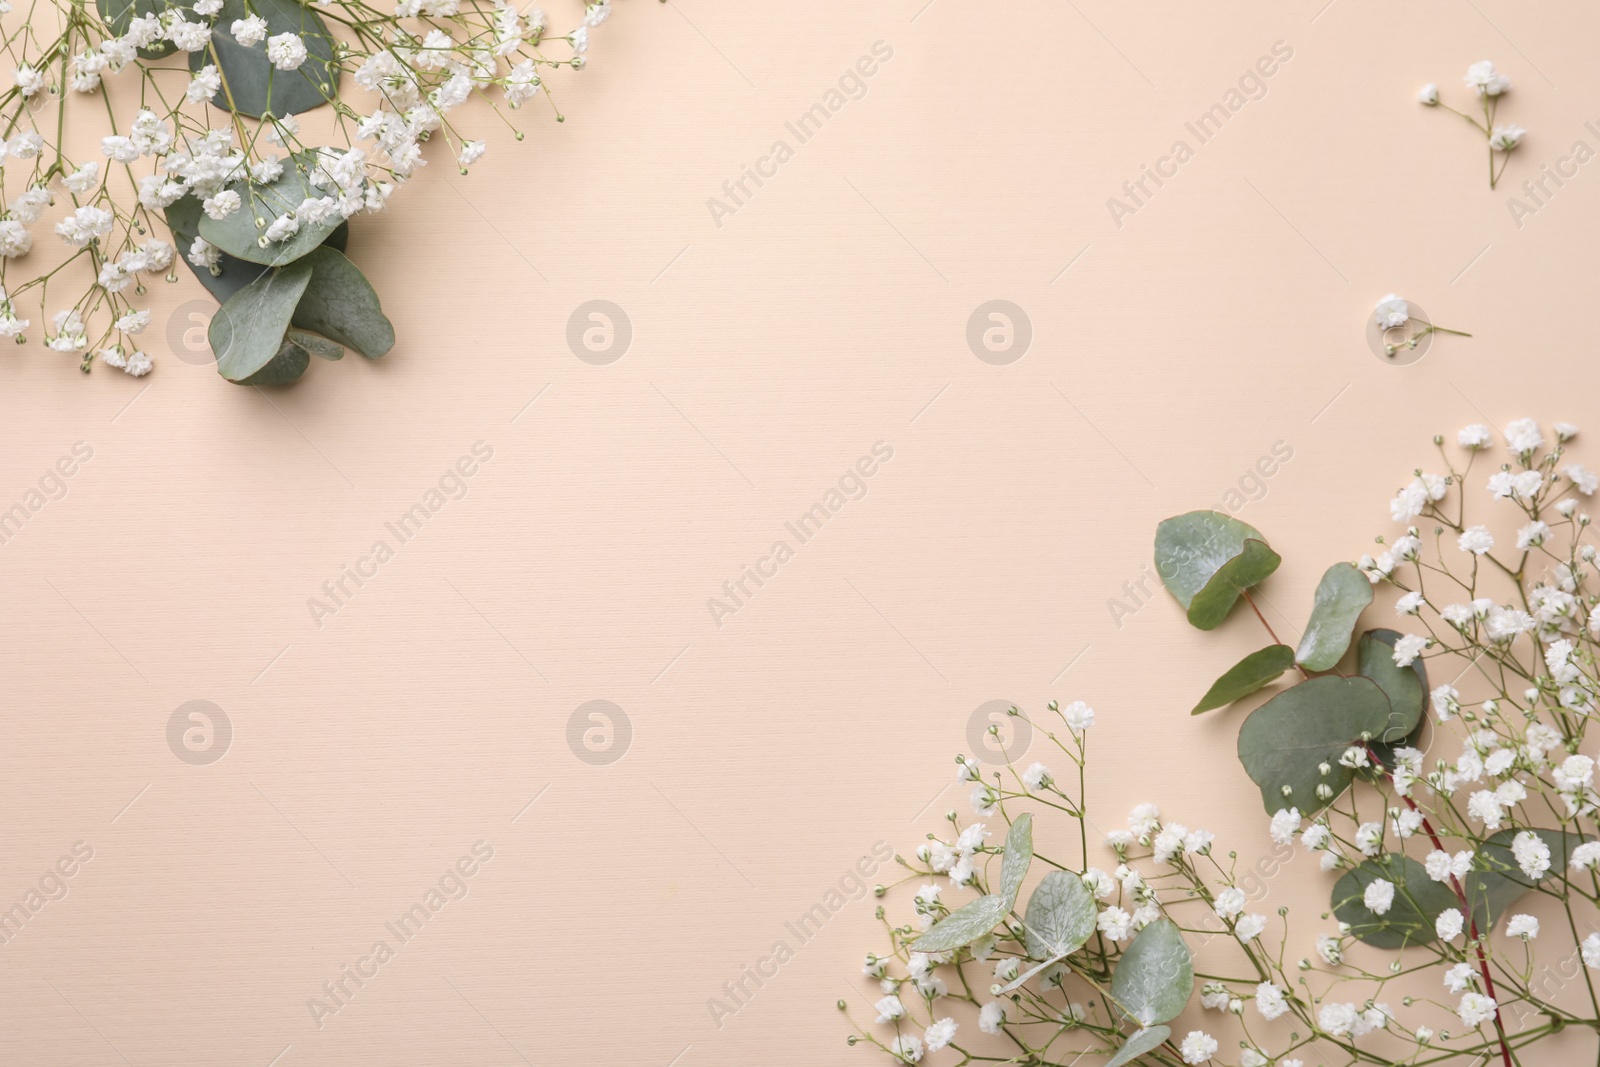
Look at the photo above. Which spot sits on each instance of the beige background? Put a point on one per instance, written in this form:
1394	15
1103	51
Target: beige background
826	314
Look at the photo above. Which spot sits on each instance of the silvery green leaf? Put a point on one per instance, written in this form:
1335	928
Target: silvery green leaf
316	345
247	332
1017	982
289	364
1206	559
964	925
1418	900
1256	670
1155	975
251	84
1060	916
340	304
118	14
1288	742
1138	1044
1406	688
242	234
1341	596
1018	857
183	218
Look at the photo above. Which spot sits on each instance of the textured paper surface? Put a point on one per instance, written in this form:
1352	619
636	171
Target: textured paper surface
769	354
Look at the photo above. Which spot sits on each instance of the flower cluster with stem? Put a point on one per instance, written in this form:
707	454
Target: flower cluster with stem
1489	85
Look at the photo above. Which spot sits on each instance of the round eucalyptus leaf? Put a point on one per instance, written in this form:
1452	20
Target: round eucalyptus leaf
1496	880
1418	900
1138	1044
1406	688
240	235
964	925
1155	976
290	363
1253	672
341	305
1287	742
1250	567
1341	596
247	332
1018	858
233	273
251	84
1192	547
1060	916
316	345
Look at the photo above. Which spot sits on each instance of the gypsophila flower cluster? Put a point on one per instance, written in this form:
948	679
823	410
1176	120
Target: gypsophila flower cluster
113	122
1489	85
1007	996
1393	316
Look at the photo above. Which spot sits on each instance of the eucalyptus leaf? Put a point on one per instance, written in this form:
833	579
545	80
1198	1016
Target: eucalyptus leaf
251	84
1341	596
1286	742
1193	548
1406	687
340	304
1060	916
1138	1044
1257	669
1155	976
1497	880
247	332
1250	567
1418	900
289	364
233	273
240	236
1019	856
316	345
964	925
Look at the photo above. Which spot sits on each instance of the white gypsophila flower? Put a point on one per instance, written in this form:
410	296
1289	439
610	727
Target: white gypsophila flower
133	321
1591	952
1532	854
84	225
1369	836
1115	923
189	36
15	240
286	51
1078	715
1143	819
1378	896
1339	1020
1459	977
1476	540
249	31
1408	647
1101	885
1585	480
1507	137
1270	1001
1475	1009
1523	435
1429	94
1485	806
1035	776
1409	604
222	205
1442	866
1482	77
1230	902
1475	436
1392	312
1249	927
1586	856
907	1048
991	1016
1285	824
204	85
139	365
28	80
1449	924
207	7
1532	535
83	179
1006	969
471	152
939	1034
1198	1047
1523	926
